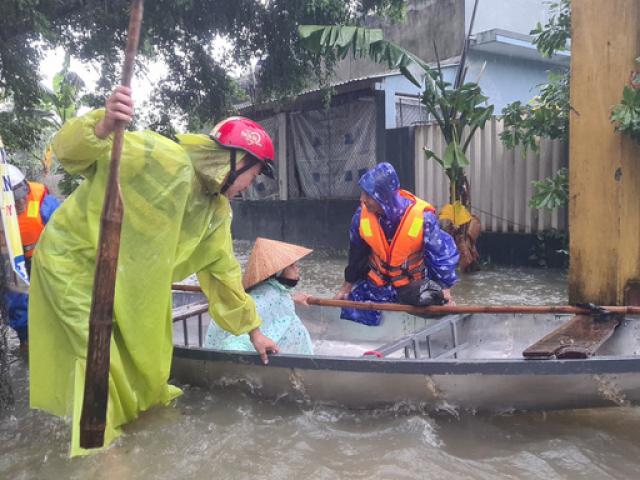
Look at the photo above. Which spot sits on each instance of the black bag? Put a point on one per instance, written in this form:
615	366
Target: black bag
421	293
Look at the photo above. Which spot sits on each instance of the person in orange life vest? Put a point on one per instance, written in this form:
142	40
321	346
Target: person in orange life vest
34	207
397	251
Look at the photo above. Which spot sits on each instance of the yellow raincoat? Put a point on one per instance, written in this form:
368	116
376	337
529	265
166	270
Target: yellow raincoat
174	224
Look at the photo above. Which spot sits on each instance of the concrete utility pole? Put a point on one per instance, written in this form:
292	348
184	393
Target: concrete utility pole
604	181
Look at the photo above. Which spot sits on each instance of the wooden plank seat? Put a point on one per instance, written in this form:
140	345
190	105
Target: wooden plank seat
580	337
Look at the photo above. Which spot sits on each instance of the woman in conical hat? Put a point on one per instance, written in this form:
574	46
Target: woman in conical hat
270	276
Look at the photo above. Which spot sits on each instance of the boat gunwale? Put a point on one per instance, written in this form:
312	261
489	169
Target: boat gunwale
371	364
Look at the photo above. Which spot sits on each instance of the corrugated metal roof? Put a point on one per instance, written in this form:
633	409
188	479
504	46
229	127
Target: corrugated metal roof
340	87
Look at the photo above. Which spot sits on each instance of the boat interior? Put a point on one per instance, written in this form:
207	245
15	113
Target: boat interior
468	336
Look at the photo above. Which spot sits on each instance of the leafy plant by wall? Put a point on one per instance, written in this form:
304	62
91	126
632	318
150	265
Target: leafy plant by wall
626	115
546	115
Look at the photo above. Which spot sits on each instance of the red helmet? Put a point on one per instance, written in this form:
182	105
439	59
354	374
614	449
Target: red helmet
244	134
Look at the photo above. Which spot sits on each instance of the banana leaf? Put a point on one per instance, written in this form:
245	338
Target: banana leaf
363	42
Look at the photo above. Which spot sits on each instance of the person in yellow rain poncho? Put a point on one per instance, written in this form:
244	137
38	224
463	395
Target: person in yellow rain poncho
177	220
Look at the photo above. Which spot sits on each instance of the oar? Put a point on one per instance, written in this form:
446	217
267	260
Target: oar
396	307
96	382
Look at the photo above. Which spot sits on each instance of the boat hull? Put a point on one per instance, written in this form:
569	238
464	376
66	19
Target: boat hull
488	374
491	386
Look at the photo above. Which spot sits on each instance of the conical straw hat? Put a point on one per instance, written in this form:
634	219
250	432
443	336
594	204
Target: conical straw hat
268	257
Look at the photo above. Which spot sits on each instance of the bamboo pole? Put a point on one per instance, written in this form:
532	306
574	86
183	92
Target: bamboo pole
396	307
442	310
96	385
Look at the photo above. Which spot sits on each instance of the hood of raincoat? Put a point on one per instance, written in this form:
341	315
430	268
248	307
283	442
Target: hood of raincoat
210	160
382	183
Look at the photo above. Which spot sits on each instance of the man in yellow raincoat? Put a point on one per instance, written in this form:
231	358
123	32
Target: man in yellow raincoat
177	221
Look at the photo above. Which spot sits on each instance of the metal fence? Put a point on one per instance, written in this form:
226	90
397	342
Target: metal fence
500	178
410	111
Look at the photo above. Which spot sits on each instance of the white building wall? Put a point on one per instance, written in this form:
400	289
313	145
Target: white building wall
504	80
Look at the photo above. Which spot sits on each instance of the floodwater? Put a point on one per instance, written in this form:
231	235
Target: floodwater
225	434
323	272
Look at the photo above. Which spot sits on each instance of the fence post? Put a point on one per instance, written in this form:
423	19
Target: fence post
283	179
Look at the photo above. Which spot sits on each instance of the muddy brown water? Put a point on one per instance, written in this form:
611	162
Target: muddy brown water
225	434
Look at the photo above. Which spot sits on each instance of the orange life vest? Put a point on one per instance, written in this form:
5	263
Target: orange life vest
403	261
30	221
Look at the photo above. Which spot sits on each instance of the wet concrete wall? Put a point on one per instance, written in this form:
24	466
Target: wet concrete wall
312	223
518	16
427	21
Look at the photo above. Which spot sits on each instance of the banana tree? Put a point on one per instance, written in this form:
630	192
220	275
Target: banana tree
62	102
459	112
65	98
459	109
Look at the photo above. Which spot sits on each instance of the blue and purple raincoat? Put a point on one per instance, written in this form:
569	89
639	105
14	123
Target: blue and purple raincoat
440	252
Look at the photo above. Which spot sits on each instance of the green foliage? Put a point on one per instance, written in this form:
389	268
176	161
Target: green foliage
626	115
57	105
23	129
551	249
64	100
394	11
69	181
552	192
181	33
454	157
554	36
453	109
547	116
23	23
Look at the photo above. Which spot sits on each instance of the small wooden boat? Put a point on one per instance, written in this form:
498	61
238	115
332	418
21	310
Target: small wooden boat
468	362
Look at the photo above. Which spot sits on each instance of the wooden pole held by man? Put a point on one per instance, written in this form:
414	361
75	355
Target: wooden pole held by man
96	385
